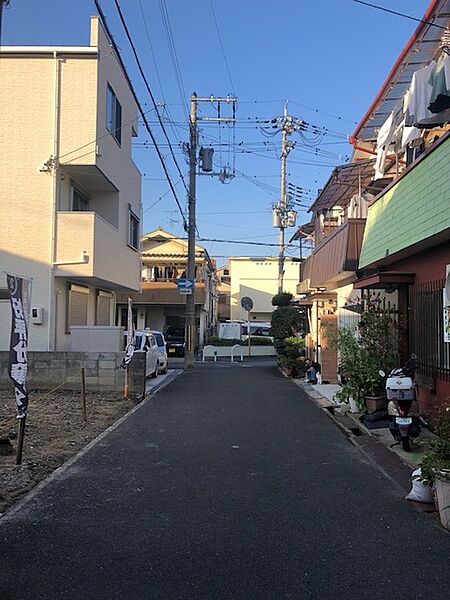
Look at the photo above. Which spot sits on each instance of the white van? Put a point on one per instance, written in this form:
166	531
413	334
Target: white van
256	329
239	330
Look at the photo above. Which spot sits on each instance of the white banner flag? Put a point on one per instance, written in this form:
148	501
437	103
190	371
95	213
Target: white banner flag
129	349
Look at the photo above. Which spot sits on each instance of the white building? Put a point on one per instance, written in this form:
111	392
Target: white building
257	278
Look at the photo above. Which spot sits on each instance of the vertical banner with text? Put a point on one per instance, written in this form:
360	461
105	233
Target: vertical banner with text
129	348
20	298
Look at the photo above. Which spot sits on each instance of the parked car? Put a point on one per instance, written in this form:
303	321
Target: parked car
145	341
175	341
162	351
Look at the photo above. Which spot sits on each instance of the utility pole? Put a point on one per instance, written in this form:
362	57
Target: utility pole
3	3
283	214
189	354
191	334
285	149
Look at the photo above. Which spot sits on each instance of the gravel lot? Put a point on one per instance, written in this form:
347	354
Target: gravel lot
55	431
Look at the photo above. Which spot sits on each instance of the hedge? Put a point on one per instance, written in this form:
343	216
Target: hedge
255	341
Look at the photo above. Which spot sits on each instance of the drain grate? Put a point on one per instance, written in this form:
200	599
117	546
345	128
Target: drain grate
356	431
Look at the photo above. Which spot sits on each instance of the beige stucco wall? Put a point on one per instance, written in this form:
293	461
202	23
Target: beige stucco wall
31	101
26	141
258	279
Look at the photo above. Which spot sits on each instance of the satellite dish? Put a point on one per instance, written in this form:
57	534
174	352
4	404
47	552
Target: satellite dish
247	303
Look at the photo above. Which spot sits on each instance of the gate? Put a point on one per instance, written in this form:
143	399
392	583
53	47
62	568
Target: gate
427	329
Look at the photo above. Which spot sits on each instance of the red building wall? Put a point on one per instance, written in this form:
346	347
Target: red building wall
429	265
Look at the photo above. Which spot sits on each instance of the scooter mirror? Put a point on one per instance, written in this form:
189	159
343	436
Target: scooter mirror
381	373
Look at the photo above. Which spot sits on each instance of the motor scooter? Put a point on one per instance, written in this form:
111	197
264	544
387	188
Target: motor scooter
405	421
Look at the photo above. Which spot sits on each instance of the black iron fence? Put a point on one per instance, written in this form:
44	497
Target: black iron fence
426	329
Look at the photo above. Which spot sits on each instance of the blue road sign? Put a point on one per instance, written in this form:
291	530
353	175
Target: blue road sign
185	284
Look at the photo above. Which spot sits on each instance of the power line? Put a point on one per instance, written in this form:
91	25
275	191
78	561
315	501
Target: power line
161	197
173	52
221	45
136	99
144	20
155	62
238	242
399	14
147	85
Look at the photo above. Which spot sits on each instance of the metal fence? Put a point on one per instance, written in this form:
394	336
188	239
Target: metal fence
427	329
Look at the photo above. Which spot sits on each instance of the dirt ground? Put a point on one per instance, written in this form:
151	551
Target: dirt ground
55	431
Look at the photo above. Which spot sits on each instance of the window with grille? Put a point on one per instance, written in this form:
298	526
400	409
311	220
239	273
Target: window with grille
77	310
113	115
103	309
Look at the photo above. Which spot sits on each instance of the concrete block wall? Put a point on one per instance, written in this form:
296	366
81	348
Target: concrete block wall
46	370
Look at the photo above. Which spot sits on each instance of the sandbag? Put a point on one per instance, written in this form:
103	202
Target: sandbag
421	491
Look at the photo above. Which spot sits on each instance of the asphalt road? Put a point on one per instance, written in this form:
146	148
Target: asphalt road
227	484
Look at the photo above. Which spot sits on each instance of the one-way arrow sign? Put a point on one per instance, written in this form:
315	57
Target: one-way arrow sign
185	286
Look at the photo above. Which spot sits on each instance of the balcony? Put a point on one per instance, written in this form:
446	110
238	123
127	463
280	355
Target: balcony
305	276
336	257
163	293
90	250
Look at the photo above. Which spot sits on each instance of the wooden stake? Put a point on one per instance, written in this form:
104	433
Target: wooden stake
83	394
20	440
125	389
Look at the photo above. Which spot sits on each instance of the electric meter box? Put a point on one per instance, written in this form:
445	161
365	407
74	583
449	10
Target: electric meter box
400	388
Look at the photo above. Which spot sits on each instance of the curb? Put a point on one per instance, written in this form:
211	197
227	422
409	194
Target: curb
11	512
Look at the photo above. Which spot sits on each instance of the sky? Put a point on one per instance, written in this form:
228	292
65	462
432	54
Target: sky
328	58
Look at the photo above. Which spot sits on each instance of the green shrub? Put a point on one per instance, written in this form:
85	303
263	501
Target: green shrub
364	350
282	299
290	347
255	341
286	322
436	461
284	362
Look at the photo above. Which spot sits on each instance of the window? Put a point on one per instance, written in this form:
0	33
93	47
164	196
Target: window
77	308
133	231
4	294
113	115
80	202
159	340
104	303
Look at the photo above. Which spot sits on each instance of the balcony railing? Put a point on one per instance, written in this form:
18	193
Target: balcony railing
336	257
154	292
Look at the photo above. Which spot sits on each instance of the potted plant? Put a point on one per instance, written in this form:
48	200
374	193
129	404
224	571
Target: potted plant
435	465
363	351
286	364
435	470
289	349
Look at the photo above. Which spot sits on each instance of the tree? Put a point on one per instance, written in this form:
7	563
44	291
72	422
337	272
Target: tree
286	322
282	299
